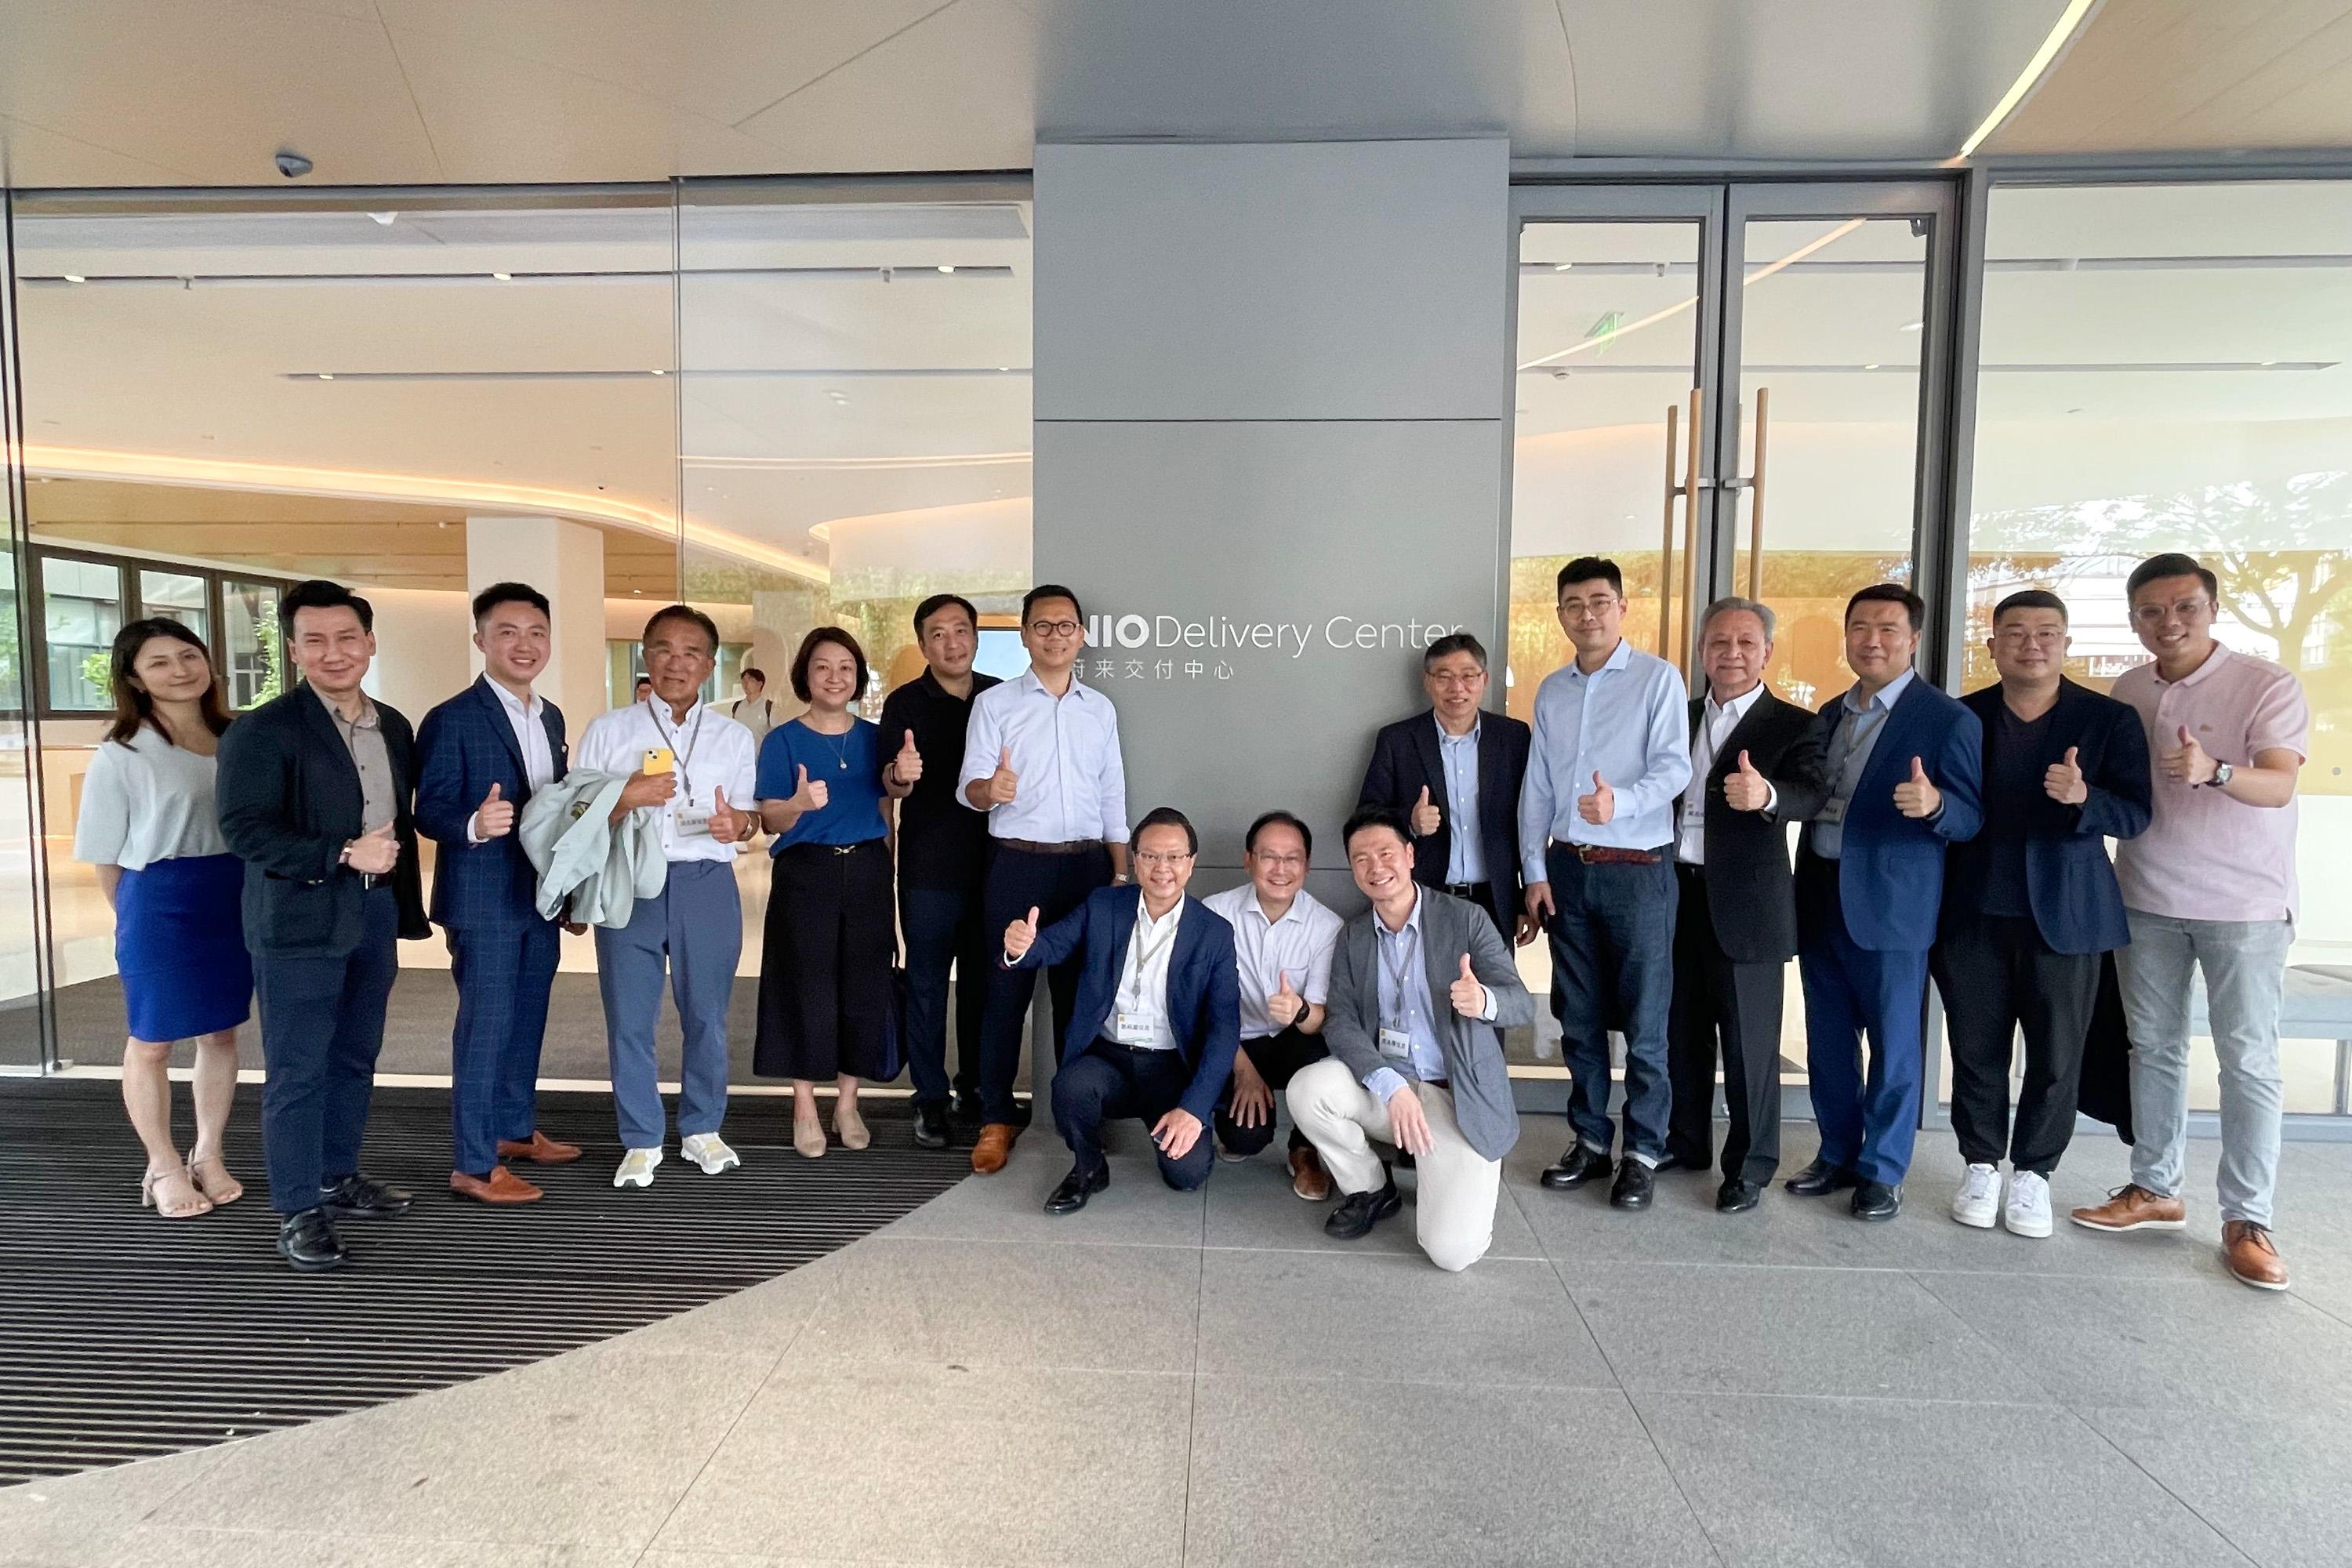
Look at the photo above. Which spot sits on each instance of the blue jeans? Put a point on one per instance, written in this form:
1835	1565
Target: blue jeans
943	927
696	922
1613	937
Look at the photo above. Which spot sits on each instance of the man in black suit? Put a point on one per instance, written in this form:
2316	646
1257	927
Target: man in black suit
1736	911
2030	905
314	790
1454	773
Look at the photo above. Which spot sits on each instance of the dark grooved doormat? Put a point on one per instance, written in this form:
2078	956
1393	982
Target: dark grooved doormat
124	1336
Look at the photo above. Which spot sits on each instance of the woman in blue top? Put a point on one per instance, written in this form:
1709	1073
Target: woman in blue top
824	975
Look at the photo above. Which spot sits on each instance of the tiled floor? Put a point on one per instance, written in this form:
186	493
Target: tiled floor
1203	1378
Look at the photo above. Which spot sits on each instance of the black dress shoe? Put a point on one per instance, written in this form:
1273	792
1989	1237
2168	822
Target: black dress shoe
1359	1212
1577	1167
1632	1186
308	1242
1075	1189
967	1108
1820	1179
1877	1200
358	1197
930	1124
1736	1196
1676	1160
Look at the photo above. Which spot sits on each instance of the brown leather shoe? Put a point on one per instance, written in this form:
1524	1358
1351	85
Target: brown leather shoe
539	1149
993	1147
503	1186
2133	1208
1308	1179
2252	1260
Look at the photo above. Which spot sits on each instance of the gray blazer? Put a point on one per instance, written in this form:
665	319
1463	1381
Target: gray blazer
1450	927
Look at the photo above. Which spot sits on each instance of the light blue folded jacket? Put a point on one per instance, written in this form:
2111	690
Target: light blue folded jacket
590	869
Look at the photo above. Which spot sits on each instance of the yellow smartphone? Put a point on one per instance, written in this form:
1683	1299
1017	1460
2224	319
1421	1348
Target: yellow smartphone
660	760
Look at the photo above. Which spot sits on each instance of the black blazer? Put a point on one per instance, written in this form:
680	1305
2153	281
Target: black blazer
1405	758
290	801
1750	890
2069	881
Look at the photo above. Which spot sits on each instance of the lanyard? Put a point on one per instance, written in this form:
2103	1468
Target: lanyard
685	758
1143	953
1409	948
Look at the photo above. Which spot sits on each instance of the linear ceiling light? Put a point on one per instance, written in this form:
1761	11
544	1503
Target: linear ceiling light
2060	33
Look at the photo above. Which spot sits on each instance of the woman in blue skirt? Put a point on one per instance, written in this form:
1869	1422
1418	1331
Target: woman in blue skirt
149	825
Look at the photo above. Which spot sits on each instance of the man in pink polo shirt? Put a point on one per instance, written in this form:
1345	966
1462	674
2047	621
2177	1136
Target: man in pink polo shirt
2211	886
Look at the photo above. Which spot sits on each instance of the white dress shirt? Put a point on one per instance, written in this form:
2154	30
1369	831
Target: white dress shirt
1140	1011
1073	780
530	725
1714	727
1300	944
713	752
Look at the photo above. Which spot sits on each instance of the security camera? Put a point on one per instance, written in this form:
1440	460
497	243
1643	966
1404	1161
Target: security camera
293	165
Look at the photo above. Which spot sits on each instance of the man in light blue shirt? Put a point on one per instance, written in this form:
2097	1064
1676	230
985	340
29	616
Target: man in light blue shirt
1611	755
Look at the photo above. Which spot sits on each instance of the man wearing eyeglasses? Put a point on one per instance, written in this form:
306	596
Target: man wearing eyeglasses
1040	758
2030	905
2209	886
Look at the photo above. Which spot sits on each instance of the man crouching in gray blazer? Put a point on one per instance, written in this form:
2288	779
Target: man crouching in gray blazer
1422	988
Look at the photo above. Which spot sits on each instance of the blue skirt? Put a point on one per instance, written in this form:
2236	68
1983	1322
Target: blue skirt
179	942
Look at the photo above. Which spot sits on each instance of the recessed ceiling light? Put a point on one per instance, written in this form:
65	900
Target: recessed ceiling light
1561	266
76	278
661	373
503	277
947	270
1912	326
1872	365
326	376
2268	363
384	218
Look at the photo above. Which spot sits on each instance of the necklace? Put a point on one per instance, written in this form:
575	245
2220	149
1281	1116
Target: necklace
841	751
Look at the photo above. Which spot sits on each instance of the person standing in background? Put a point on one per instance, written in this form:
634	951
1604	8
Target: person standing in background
824	974
683	762
480	757
755	711
943	862
314	791
149	827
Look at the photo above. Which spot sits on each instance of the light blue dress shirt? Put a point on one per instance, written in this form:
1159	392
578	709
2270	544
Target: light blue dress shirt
1072	779
1855	738
1465	856
1405	998
1628	721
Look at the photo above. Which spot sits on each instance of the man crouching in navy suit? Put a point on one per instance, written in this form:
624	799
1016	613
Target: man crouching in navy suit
1158	1016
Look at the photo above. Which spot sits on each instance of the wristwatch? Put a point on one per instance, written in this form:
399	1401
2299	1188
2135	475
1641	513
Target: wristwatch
2222	773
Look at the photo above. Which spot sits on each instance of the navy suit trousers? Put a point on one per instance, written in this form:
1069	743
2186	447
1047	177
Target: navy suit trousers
321	1029
503	975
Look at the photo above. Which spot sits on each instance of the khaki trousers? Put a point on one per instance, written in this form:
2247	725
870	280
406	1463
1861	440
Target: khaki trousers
1454	1207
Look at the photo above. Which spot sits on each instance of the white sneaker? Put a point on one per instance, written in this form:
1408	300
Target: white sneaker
638	1168
1977	1203
2028	1210
710	1152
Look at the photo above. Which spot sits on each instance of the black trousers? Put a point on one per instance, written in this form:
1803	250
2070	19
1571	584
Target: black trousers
1276	1058
943	930
1054	885
1722	1006
1111	1081
322	1028
1999	977
824	962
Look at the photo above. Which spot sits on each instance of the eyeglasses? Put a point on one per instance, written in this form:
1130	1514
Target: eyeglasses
1453	677
1279	862
1599	605
1154	858
1053	629
2040	637
2155	615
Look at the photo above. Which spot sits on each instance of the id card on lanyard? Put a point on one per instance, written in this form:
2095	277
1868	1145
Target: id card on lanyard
686	817
1132	1022
1396	1034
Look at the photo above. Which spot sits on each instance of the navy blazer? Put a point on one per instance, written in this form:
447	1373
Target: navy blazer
466	745
1204	988
1405	758
2070	883
1890	866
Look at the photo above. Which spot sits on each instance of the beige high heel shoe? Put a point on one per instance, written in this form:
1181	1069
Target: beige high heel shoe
808	1137
193	1205
219	1190
850	1128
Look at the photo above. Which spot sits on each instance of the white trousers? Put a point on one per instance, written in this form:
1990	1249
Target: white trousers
1453	1208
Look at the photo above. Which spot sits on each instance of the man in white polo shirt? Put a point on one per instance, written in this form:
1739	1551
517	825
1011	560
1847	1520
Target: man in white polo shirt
2210	886
1283	938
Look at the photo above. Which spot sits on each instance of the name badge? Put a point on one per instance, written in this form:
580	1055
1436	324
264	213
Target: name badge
1395	1042
691	821
1133	1028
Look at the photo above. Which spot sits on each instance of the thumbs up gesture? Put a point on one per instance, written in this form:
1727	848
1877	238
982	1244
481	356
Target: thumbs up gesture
1003	784
1469	997
2064	780
1914	796
1286	1005
375	852
494	818
808	795
1426	818
2189	762
907	766
1745	789
729	825
1600	806
1020	935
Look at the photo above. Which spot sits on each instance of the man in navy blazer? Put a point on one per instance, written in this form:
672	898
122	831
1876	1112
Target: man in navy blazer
1157	1018
481	755
1453	772
2030	905
1903	764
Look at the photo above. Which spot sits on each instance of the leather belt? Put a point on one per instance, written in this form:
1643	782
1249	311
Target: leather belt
1069	847
1603	854
1471	890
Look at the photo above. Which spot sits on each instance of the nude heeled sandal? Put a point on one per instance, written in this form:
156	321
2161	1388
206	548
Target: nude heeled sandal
198	1204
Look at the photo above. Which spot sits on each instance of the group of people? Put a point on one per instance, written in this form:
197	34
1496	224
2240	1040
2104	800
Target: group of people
983	825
